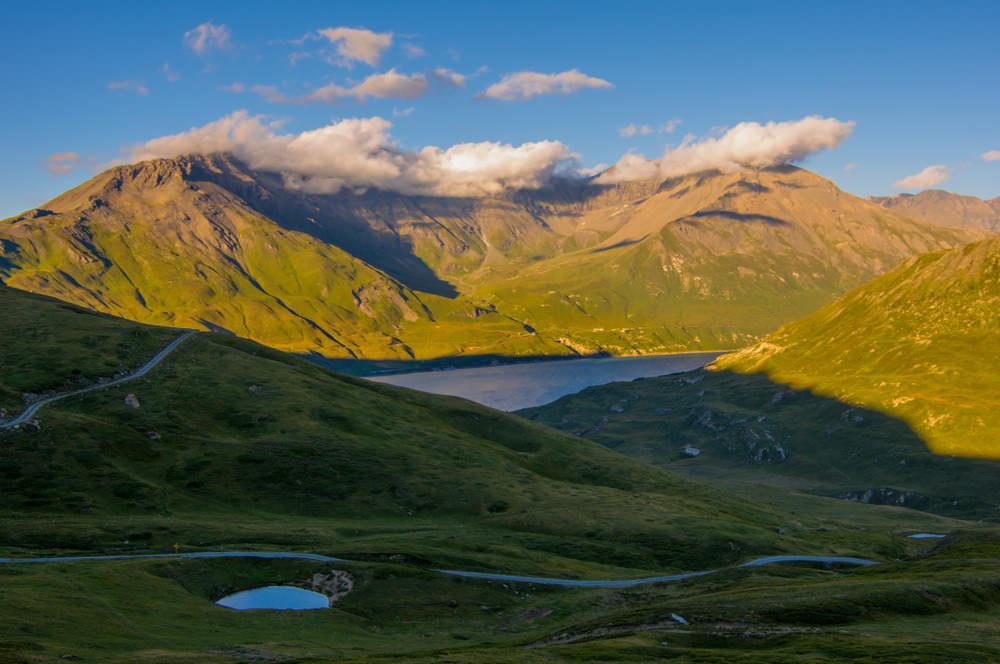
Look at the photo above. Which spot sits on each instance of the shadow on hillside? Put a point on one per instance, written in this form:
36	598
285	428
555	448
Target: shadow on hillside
737	216
742	423
343	220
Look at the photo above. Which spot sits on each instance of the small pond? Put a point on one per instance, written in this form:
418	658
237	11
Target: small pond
275	597
926	536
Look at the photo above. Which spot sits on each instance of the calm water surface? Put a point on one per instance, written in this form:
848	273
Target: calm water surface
514	386
275	597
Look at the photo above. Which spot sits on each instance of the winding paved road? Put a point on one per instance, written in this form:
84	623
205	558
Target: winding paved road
138	373
541	580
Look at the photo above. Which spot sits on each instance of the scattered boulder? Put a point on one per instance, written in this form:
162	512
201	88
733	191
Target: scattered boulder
256	389
335	585
131	401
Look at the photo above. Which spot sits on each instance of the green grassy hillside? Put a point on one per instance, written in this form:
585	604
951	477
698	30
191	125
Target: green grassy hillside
919	344
870	399
237	446
233	442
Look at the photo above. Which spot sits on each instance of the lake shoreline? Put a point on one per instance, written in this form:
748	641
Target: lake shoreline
514	386
362	368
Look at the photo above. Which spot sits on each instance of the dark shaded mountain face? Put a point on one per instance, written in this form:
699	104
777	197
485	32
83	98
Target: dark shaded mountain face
706	261
945	208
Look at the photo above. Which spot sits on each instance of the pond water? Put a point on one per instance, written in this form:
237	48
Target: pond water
926	536
514	386
275	597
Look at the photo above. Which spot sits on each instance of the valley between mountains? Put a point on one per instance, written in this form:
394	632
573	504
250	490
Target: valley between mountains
860	411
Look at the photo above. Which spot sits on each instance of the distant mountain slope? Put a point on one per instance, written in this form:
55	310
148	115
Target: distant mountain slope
705	261
945	208
715	260
866	399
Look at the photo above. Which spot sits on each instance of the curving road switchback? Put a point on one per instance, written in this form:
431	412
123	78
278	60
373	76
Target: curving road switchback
138	373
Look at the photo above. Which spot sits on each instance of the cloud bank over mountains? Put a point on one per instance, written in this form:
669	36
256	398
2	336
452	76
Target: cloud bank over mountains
747	144
360	153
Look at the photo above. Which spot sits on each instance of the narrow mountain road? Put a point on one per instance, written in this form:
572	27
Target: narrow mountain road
541	580
138	373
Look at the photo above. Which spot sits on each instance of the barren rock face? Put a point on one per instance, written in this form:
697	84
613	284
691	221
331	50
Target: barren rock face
945	208
335	585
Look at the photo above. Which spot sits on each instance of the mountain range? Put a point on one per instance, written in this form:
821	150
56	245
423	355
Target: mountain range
705	261
945	208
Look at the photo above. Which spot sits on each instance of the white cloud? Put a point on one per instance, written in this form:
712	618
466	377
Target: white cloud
138	87
929	177
294	58
385	85
208	37
747	144
360	153
171	75
61	162
412	50
633	129
269	93
526	84
644	129
390	84
669	127
850	167
402	112
592	171
448	78
357	45
992	155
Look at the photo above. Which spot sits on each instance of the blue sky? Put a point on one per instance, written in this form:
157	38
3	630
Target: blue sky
920	81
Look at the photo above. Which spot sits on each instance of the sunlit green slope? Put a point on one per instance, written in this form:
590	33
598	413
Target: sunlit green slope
920	343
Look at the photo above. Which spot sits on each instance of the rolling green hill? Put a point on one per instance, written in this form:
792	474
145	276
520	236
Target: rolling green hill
919	344
871	398
706	261
232	445
232	442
